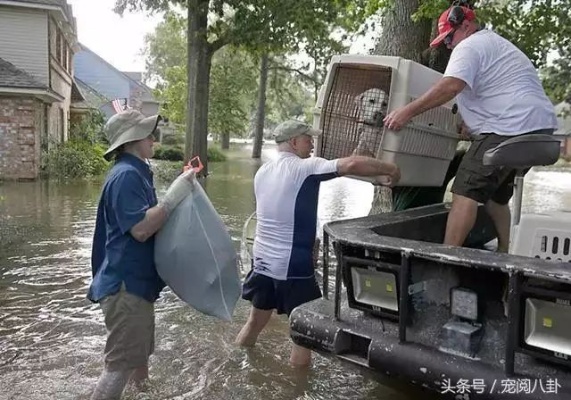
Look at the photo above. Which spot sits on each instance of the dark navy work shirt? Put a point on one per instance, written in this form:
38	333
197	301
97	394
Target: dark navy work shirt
117	258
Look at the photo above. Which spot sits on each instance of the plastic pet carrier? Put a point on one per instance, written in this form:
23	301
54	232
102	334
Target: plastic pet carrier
359	91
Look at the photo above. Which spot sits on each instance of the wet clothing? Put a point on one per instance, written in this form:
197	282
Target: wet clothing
118	258
480	182
287	191
267	293
130	324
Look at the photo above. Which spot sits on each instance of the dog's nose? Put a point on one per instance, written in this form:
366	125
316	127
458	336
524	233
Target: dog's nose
378	116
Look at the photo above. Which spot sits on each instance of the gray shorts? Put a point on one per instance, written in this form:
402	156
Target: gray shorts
130	323
480	182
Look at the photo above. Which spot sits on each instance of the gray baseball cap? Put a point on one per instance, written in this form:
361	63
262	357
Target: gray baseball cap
293	128
128	126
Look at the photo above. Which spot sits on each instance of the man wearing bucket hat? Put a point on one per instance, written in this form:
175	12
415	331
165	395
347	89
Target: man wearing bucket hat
499	96
125	281
287	190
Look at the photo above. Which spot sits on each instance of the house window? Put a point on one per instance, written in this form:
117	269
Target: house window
44	141
58	46
64	58
63	49
62	124
69	57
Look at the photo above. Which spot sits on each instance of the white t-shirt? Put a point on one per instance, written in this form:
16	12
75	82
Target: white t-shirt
503	93
287	191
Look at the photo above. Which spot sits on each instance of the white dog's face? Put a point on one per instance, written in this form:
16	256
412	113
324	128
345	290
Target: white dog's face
372	106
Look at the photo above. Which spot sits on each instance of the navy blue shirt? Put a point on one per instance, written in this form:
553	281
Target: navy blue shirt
117	258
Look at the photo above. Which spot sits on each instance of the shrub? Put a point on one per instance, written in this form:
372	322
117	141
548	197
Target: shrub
74	159
214	154
166	171
170	153
173	140
88	128
175	153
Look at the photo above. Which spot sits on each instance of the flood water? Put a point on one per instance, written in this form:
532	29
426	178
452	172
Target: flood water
52	338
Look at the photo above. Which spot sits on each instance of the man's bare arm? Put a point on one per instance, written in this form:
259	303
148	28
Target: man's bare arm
368	167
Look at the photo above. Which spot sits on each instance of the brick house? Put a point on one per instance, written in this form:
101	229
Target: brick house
37	44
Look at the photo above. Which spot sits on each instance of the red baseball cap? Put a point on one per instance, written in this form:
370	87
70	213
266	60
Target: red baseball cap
445	27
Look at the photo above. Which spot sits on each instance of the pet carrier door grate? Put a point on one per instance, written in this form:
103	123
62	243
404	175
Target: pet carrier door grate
354	110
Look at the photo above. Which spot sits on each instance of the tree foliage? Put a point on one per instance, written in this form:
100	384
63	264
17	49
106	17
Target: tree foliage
233	84
260	26
232	90
233	78
557	78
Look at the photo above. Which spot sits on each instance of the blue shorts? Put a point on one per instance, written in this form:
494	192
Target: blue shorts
267	293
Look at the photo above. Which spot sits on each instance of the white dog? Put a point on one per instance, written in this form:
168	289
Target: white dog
372	107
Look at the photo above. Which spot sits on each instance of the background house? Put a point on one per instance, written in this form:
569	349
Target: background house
37	43
84	99
563	111
38	38
110	83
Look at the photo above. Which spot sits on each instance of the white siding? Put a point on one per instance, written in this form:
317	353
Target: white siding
24	40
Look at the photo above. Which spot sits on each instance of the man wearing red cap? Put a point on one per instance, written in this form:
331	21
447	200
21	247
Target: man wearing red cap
499	96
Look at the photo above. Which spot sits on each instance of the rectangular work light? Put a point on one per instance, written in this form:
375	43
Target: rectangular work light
464	303
373	283
375	288
547	326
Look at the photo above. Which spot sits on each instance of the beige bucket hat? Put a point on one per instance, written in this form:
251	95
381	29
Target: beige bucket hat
128	126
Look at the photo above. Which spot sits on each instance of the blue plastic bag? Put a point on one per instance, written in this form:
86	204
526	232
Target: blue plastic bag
195	256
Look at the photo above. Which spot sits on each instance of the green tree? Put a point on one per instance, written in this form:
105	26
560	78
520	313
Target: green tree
232	89
233	79
557	78
258	25
233	82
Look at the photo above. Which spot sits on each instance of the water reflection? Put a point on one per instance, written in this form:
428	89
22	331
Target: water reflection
51	337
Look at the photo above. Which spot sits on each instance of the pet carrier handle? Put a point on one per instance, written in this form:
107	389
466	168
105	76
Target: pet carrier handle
190	165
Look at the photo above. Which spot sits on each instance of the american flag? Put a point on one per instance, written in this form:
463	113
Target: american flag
120	105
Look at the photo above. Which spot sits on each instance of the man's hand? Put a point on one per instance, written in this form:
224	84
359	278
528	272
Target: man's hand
398	118
389	179
464	132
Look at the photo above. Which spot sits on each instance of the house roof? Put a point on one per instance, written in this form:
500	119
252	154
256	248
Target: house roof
148	92
13	77
91	97
138	76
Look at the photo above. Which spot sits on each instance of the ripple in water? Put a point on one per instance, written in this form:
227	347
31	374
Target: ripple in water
52	338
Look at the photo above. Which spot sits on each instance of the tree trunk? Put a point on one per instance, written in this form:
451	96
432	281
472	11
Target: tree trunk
199	62
401	36
225	141
261	112
436	58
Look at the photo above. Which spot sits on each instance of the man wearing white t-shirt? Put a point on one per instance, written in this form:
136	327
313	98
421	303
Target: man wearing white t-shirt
499	96
287	190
